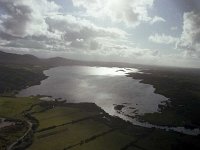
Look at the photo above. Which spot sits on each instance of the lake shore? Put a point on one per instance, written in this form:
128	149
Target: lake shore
181	86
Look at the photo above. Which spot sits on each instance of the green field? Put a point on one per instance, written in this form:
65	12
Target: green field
84	126
67	135
11	107
60	115
112	141
76	128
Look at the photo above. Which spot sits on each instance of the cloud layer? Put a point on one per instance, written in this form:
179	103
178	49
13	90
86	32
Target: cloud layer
190	37
98	29
189	40
39	24
163	39
21	18
131	12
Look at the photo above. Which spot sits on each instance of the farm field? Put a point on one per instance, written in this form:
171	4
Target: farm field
84	126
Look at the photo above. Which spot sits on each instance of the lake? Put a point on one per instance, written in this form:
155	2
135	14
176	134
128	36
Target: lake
104	86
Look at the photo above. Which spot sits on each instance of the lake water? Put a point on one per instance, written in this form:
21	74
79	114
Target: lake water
107	87
104	86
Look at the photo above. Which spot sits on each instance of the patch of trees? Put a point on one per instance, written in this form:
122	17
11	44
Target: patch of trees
12	79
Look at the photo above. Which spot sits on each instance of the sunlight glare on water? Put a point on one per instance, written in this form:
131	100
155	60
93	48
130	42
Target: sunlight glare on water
105	71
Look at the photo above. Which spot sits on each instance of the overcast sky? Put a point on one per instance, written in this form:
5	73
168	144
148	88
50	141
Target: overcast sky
162	32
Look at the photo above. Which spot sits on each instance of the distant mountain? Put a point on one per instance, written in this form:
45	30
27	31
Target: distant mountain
59	61
18	59
10	58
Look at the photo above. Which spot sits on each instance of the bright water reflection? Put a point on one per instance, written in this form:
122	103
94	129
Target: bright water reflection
104	86
101	85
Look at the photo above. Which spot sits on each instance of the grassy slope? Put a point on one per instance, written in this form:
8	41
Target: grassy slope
60	115
112	141
13	107
69	134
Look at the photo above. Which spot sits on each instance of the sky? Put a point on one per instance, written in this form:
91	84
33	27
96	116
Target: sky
155	32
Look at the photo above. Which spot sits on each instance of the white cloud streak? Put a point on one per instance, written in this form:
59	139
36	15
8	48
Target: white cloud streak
163	39
190	37
157	19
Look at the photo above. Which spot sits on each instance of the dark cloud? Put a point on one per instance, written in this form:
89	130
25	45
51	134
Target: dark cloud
16	18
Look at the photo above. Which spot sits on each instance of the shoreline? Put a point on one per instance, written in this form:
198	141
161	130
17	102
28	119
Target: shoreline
134	121
142	122
178	100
